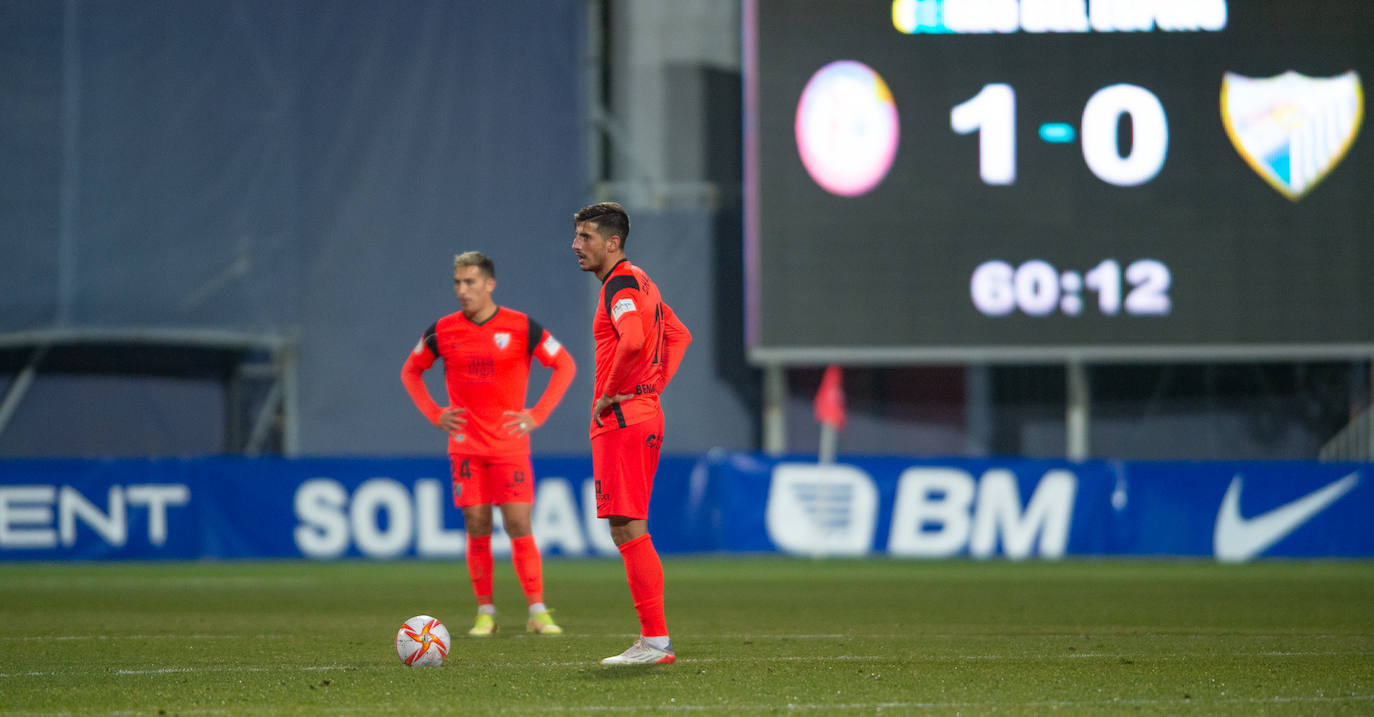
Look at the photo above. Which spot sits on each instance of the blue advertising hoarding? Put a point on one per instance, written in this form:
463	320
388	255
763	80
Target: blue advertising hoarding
226	508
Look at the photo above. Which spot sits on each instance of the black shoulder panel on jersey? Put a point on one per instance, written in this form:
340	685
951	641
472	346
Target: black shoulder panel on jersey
431	339
616	283
536	333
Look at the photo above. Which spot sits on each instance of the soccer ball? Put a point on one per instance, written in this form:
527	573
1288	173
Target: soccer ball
422	642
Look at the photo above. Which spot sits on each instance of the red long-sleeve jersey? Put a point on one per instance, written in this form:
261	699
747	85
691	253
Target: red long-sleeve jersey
486	370
639	346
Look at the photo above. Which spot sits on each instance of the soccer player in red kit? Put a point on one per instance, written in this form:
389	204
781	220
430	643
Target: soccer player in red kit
639	345
487	351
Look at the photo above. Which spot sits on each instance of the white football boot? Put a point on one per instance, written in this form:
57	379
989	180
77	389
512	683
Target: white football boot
641	653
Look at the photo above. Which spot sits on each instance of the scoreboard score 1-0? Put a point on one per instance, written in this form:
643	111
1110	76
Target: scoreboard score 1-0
1012	180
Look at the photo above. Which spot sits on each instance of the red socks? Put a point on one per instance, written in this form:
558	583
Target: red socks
644	572
525	555
479	567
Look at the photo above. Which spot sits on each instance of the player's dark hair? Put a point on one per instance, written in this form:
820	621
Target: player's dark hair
477	259
610	218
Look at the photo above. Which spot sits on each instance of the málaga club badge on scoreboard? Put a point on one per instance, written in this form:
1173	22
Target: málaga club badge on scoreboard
1290	128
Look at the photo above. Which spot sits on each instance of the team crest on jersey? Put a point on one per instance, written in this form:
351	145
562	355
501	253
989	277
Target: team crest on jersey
502	339
1290	128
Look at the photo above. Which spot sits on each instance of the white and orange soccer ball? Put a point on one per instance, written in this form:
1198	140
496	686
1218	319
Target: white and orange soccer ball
422	642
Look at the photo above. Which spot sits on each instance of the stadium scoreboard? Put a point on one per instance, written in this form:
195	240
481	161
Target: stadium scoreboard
1041	179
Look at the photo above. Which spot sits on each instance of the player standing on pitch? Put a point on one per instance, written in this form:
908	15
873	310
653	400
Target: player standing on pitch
639	345
486	350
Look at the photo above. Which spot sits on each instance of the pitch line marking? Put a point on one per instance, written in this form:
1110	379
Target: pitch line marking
182	670
66	638
322	668
867	706
687	660
720	636
814	706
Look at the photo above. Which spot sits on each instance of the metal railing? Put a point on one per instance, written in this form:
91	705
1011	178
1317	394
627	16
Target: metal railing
1355	442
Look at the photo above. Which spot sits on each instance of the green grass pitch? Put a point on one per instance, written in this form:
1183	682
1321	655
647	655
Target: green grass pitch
753	635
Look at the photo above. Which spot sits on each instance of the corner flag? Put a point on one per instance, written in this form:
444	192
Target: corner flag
830	399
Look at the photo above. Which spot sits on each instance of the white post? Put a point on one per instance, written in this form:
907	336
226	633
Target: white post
1076	414
829	440
774	409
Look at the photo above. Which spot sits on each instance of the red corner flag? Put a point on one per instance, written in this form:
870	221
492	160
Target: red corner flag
830	399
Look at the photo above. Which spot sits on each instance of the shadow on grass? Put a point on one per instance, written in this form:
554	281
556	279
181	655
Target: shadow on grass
624	672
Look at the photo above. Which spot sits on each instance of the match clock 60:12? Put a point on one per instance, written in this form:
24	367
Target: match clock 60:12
1037	288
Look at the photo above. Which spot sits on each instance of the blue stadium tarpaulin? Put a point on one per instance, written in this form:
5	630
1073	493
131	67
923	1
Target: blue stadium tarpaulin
325	509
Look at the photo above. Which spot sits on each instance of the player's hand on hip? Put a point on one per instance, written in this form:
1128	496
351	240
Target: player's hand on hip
521	422
452	420
603	404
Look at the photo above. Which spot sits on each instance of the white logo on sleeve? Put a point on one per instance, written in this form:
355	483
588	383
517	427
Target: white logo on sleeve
419	346
551	346
619	308
1237	539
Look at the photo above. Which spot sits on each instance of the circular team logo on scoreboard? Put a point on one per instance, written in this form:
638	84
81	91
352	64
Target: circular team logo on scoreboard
847	128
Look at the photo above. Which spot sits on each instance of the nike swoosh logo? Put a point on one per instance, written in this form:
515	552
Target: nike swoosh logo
1238	539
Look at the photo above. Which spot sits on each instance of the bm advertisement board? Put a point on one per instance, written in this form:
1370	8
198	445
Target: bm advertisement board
327	509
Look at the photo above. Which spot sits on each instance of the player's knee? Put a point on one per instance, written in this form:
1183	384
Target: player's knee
623	530
476	524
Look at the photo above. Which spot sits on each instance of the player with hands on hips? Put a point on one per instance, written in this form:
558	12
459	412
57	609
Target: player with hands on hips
487	352
639	346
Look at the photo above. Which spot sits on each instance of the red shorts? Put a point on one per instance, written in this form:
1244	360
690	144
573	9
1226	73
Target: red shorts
478	480
623	464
